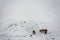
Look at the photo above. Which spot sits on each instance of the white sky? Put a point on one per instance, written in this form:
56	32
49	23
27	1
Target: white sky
45	10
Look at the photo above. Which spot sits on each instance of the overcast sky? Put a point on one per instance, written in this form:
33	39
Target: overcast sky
45	10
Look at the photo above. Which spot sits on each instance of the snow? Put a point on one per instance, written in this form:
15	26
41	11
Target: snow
18	18
23	33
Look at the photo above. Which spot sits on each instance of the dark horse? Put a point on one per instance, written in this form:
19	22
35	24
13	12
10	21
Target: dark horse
43	31
34	32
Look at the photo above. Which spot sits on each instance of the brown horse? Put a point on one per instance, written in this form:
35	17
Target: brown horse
34	32
43	31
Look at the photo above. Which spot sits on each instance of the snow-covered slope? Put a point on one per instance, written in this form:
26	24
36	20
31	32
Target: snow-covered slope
21	30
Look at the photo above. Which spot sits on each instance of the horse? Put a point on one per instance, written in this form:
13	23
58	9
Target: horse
43	31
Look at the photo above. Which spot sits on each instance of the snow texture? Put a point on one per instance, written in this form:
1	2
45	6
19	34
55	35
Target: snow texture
15	31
